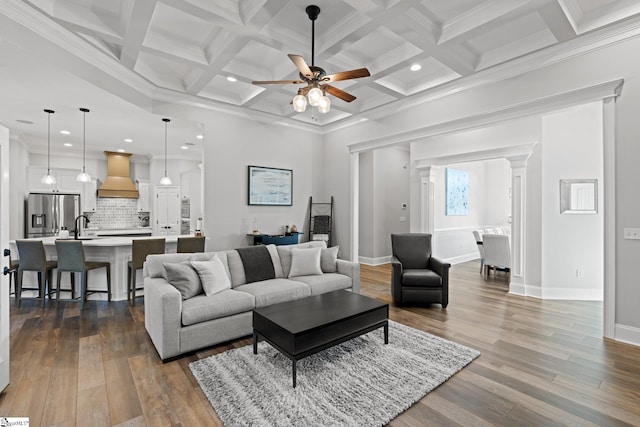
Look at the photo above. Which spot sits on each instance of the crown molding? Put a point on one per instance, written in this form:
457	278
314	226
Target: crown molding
508	112
515	151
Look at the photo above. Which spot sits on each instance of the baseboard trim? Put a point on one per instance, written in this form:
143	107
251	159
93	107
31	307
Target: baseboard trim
571	294
460	259
374	261
627	334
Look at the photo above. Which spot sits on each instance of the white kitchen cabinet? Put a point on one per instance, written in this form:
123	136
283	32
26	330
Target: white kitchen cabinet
143	199
90	195
65	180
166	211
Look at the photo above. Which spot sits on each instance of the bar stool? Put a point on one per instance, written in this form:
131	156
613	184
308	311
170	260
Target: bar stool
140	248
71	260
32	257
190	244
12	271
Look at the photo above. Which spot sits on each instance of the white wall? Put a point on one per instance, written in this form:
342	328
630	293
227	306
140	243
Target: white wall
571	149
18	182
384	187
233	143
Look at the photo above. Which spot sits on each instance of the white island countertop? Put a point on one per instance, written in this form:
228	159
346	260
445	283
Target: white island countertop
116	250
89	241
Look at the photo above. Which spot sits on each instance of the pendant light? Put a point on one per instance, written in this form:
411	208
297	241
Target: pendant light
84	176
165	179
48	178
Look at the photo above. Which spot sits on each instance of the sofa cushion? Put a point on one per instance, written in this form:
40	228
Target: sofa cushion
236	268
226	303
184	278
273	291
153	265
305	261
277	264
284	251
213	275
329	259
421	278
257	262
326	282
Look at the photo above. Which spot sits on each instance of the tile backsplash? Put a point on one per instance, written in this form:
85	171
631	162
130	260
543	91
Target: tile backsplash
114	212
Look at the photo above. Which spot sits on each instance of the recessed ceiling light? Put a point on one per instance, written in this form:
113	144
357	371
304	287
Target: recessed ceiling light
231	79
184	147
128	140
416	67
120	150
200	136
26	122
68	144
65	132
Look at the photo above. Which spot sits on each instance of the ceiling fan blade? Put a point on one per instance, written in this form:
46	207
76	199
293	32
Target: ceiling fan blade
301	64
276	82
338	93
347	75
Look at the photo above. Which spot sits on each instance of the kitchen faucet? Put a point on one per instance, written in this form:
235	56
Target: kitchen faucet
76	231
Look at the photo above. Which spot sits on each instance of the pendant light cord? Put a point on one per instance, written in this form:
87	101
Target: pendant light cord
165	145
84	138
49	112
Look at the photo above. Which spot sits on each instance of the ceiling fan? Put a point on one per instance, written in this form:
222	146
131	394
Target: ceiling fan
316	77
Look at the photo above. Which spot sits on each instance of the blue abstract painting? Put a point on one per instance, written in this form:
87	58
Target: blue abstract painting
457	191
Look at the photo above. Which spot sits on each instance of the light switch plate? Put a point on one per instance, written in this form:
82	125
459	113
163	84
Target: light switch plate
632	233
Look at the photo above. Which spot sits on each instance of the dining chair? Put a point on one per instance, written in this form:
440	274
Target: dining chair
71	260
140	248
497	254
190	244
32	257
477	235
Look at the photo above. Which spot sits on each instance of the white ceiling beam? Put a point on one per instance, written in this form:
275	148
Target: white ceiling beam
558	22
137	27
477	17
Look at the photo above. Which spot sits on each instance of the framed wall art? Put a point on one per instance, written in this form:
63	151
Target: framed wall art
457	192
270	186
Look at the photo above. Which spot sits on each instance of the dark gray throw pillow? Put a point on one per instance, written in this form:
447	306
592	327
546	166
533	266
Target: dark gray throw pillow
184	278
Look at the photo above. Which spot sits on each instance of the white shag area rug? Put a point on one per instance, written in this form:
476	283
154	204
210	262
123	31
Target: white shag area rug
361	382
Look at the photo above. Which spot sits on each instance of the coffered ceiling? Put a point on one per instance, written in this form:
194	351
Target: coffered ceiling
193	48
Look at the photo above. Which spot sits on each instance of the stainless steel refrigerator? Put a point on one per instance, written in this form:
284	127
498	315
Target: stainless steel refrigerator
48	213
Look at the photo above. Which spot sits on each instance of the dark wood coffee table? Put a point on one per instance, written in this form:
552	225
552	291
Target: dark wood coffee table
306	326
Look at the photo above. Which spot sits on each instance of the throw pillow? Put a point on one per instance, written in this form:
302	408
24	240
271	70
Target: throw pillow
329	259
212	275
184	278
305	262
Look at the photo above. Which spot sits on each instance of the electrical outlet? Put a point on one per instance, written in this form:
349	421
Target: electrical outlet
579	273
632	233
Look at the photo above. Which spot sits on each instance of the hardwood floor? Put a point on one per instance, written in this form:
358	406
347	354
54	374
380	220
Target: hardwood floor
542	363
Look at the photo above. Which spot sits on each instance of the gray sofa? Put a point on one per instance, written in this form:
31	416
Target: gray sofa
178	326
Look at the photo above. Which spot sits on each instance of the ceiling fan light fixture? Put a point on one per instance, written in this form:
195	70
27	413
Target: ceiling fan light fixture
299	103
314	95
324	106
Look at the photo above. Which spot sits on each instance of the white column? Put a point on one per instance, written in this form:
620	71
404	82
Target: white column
354	159
518	221
426	199
609	184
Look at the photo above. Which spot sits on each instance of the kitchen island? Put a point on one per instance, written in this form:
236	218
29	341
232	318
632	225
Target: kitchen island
116	250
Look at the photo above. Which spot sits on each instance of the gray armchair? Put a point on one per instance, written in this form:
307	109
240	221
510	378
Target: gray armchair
417	277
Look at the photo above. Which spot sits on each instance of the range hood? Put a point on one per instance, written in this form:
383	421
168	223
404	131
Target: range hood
118	182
